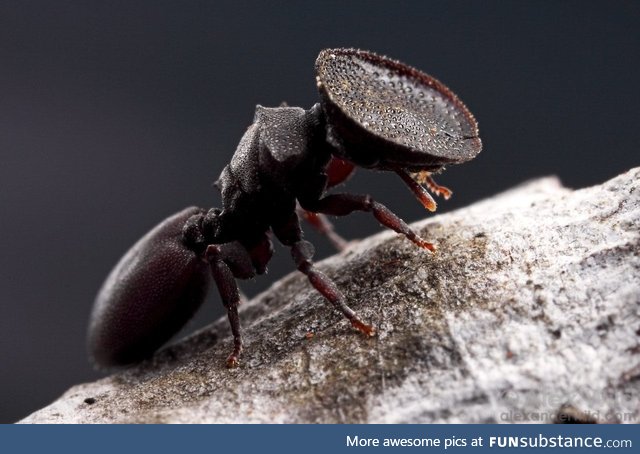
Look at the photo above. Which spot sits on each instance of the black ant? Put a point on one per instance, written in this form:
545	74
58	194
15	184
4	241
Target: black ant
374	112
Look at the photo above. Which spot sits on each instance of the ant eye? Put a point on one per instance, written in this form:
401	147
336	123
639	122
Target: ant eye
375	105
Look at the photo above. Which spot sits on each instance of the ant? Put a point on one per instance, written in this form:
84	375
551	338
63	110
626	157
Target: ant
374	113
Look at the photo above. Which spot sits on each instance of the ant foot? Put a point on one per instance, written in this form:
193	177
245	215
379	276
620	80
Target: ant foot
425	245
233	358
365	329
232	361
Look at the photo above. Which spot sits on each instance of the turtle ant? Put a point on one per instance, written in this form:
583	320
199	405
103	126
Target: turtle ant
374	112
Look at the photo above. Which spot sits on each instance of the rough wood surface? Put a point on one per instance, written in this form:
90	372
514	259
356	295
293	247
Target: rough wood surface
529	311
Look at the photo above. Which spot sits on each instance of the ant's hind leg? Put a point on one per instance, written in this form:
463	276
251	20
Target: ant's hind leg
230	296
344	204
302	252
226	283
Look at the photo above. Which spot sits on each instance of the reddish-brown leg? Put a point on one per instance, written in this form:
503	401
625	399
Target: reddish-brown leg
226	283
421	193
322	224
442	191
302	252
344	204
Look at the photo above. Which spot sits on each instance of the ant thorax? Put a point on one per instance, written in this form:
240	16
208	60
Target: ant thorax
279	156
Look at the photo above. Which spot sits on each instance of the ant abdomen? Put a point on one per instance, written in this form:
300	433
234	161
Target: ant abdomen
150	294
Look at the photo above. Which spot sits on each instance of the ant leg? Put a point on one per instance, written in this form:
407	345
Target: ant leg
226	283
302	252
337	171
344	204
229	293
421	193
322	224
426	178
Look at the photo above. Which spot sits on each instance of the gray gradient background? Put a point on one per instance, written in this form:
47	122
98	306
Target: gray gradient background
114	115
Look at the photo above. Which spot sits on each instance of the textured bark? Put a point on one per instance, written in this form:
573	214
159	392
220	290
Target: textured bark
530	310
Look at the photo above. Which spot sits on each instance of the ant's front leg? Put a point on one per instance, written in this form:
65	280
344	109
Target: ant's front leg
290	234
217	256
344	204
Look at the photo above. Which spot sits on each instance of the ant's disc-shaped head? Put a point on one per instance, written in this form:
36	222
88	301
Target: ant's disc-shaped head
384	114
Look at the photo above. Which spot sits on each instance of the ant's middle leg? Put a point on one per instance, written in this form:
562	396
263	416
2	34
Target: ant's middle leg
290	234
337	171
320	222
344	204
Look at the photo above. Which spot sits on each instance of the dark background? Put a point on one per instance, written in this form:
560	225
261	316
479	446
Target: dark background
114	115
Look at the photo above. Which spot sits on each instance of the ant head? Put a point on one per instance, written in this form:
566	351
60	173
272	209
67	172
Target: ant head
386	115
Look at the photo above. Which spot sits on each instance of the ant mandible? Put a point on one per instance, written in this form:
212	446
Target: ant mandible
374	112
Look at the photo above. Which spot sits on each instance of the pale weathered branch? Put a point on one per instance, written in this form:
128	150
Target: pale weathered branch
530	310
